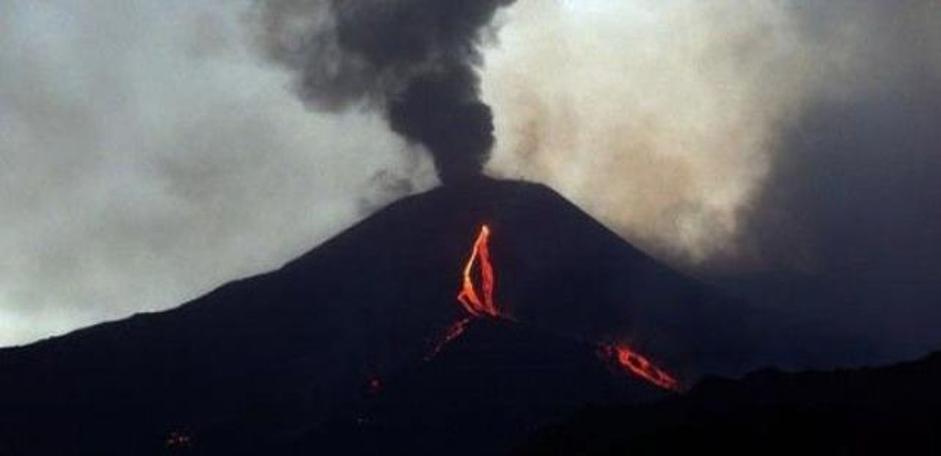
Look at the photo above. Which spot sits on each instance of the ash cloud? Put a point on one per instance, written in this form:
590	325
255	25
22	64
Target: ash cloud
787	150
412	60
665	119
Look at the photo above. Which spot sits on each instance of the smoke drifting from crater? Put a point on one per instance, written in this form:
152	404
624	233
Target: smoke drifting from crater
657	117
671	120
412	60
789	146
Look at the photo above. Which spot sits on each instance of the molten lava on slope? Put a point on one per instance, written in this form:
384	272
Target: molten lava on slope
482	304
468	296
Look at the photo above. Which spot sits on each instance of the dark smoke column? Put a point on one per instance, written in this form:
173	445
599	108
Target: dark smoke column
443	112
413	60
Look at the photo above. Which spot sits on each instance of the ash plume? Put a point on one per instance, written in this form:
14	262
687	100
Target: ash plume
414	61
773	141
674	122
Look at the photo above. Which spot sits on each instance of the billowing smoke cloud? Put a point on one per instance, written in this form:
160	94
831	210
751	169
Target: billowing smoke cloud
795	139
851	196
665	118
413	60
657	117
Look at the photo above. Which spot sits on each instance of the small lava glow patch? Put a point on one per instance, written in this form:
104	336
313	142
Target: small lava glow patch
638	365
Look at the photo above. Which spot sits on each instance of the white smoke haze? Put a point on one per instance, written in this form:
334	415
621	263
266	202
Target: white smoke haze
149	155
662	118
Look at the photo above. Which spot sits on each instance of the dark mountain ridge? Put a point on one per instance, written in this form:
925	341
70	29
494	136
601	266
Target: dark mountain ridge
885	410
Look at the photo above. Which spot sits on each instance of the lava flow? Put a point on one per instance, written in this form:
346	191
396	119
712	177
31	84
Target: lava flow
482	305
468	296
639	365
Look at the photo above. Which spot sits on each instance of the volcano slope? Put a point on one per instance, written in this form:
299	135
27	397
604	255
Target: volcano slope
482	393
297	345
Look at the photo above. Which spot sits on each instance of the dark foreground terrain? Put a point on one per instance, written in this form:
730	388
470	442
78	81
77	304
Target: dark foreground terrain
882	411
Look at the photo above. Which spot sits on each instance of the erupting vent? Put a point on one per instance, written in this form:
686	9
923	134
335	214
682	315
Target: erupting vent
478	302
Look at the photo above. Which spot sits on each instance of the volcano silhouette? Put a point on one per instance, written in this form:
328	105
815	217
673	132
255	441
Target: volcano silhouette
286	356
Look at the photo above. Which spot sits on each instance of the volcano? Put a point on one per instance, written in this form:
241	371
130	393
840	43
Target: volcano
340	337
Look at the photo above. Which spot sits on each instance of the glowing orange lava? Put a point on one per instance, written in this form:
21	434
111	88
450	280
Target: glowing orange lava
468	294
453	332
640	366
480	303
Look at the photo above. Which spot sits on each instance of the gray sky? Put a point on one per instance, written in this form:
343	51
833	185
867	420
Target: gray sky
149	153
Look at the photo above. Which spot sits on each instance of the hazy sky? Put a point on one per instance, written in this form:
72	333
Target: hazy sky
148	155
149	152
665	118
